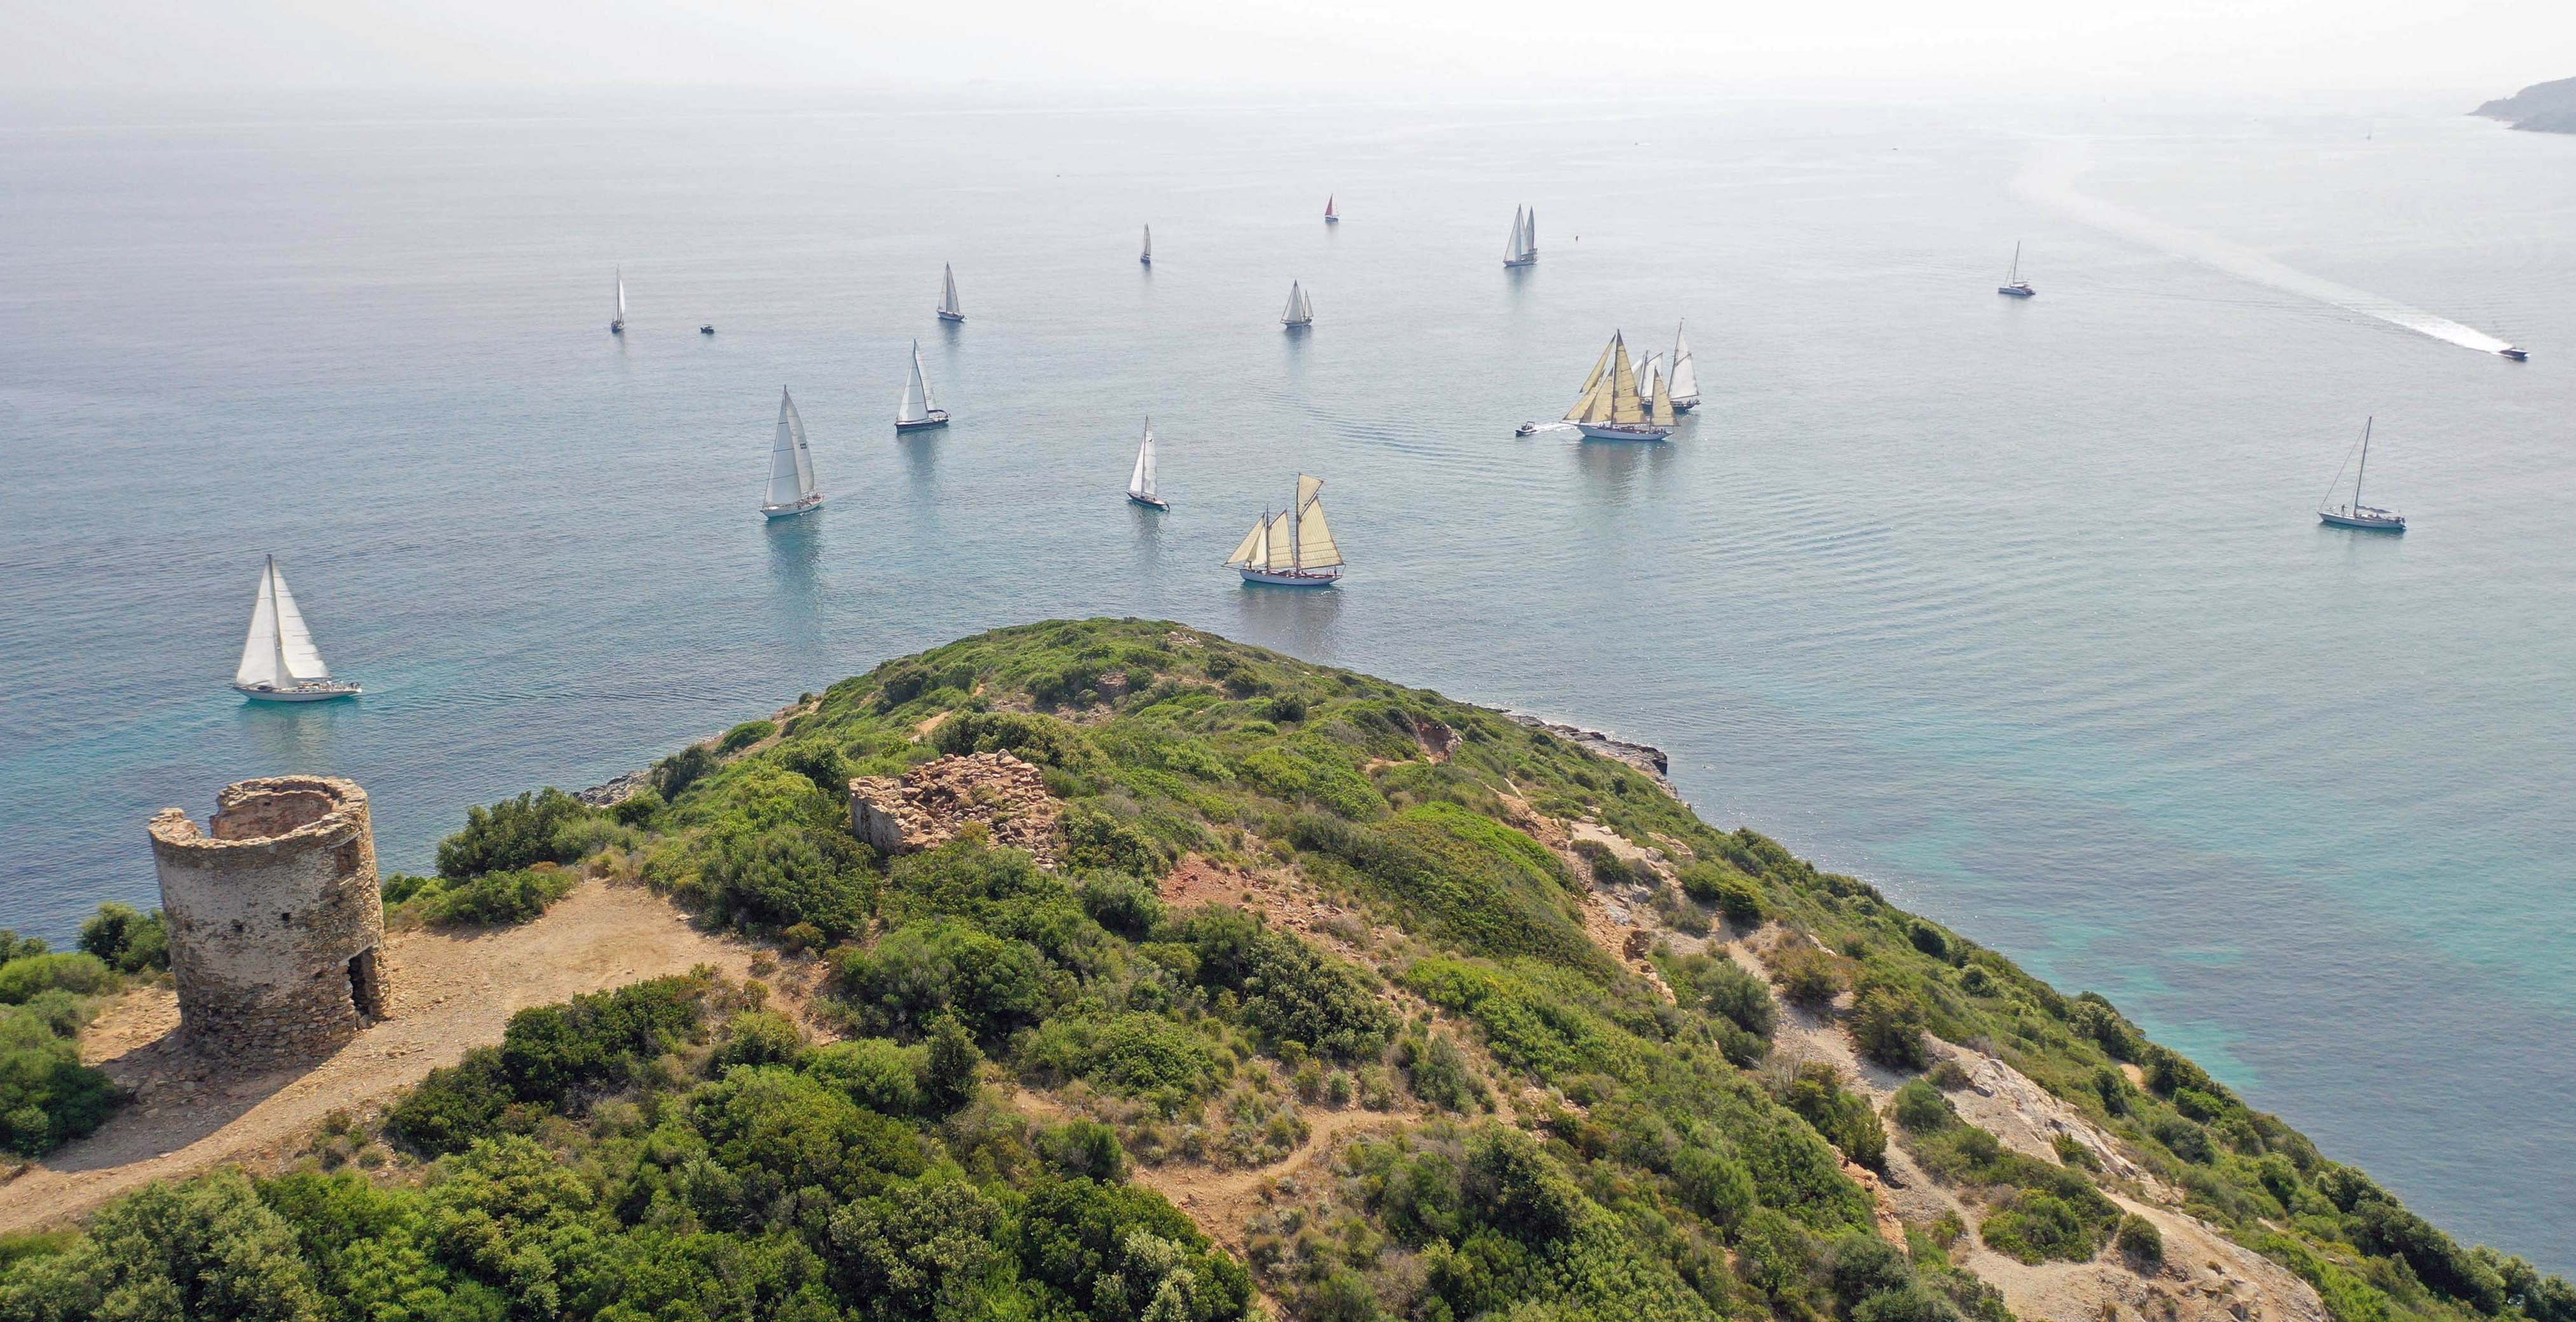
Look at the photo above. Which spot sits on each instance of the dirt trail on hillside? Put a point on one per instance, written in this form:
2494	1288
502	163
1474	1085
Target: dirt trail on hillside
449	993
1222	1201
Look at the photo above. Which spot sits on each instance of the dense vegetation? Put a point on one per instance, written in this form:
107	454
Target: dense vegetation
47	1096
1556	1135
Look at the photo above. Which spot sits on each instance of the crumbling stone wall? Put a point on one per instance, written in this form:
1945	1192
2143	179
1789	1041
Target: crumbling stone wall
926	807
276	921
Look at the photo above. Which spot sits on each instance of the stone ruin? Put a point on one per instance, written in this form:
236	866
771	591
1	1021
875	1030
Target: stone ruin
927	806
276	921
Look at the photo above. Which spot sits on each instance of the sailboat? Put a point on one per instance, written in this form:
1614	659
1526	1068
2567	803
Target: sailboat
1148	256
948	309
1330	218
917	410
1649	376
1680	377
1522	248
2014	286
1300	312
791	467
279	662
2357	515
1140	483
1294	549
617	324
1610	409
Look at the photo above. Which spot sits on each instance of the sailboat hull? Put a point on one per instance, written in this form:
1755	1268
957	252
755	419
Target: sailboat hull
1150	502
937	418
806	506
2362	522
300	693
1292	578
1531	260
1612	431
1685	405
952	316
2016	291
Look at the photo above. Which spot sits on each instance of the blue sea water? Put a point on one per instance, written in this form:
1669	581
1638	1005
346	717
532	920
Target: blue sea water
2017	609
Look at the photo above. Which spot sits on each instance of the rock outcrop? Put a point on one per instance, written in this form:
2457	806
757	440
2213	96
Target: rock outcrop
931	803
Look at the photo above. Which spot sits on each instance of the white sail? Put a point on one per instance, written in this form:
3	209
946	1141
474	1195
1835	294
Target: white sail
621	295
1140	483
1512	246
1529	235
948	291
296	653
791	465
1682	378
1313	538
1149	244
916	404
261	663
1300	309
1254	549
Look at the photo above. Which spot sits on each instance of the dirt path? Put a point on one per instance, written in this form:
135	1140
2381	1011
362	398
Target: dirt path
449	993
1221	1201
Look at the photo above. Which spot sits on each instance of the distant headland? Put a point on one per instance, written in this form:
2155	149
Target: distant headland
2541	107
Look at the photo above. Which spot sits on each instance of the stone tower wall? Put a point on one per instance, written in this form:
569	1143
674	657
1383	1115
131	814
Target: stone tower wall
276	920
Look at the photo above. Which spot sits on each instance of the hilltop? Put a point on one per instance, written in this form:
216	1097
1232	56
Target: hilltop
1165	977
2541	107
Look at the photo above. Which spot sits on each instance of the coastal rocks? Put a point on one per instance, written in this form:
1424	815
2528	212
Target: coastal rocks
1644	757
931	803
617	791
2539	108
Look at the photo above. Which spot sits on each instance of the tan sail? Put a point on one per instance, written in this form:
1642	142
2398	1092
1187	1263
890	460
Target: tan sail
1662	412
1315	549
1625	407
1583	401
1282	544
1256	545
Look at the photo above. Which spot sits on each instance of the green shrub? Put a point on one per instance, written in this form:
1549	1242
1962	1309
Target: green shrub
81	974
2139	1241
125	940
673	775
1887	1026
637	809
544	827
1452	873
744	736
1438	1073
1128	906
2187	1140
878	1073
1805	975
1290	991
759	1037
1737	896
1921	1109
47	1097
1043	740
950	1065
1136	1055
1083	1150
819	761
1844	1118
14	946
794	874
923	970
1095	839
497	898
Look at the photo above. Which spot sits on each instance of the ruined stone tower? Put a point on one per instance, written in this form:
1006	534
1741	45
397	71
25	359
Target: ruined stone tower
275	919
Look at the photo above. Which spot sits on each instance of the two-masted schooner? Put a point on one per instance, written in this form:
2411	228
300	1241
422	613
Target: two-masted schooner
917	410
279	662
1294	549
1140	483
1681	379
1521	249
791	467
617	324
948	309
1612	409
1300	311
2354	514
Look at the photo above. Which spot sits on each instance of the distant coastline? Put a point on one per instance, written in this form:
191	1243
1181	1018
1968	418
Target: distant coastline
2540	108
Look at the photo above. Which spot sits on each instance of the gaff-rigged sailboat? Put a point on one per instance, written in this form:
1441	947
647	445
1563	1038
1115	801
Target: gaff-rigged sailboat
2014	286
1294	549
1681	379
617	324
917	410
1522	248
1140	483
1611	409
279	662
1147	257
791	468
1300	311
948	309
2367	518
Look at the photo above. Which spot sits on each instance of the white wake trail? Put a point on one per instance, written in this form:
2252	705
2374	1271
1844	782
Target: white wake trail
2050	178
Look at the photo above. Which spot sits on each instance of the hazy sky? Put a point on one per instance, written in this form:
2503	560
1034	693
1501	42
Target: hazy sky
1676	46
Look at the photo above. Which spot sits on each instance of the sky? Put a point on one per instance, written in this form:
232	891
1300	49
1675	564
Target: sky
1391	46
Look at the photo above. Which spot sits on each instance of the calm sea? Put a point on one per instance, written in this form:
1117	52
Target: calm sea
2018	609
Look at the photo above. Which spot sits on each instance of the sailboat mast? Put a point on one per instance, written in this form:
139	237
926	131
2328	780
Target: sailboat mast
2365	463
277	626
1296	551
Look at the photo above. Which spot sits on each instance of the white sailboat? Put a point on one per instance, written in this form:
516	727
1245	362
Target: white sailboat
1294	549
617	324
1522	248
1147	257
948	309
917	410
1680	377
1300	311
1140	483
279	662
1610	408
2367	518
2014	286
791	467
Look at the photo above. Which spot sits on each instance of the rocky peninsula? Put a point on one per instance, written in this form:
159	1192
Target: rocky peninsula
2541	108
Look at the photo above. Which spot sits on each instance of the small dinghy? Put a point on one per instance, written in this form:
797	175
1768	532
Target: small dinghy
1526	429
707	329
1140	483
917	410
792	490
279	662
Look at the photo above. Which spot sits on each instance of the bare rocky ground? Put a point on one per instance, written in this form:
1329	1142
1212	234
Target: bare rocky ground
450	993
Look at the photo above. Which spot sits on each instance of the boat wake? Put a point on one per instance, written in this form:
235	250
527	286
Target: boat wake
2050	178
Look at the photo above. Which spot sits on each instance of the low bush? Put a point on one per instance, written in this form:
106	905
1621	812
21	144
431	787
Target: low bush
2140	1242
125	940
1126	905
1887	1027
80	973
794	874
47	1096
1134	1055
744	736
1921	1109
548	826
1290	992
496	899
1805	975
1439	1073
1844	1118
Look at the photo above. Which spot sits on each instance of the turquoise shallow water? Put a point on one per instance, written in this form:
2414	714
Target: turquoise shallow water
2016	609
